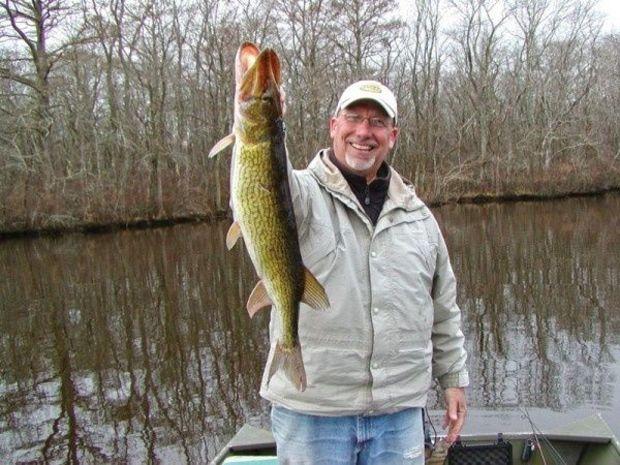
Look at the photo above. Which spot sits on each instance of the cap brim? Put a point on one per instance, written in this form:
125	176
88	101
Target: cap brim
388	110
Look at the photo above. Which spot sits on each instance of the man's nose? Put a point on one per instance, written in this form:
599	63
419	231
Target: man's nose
363	128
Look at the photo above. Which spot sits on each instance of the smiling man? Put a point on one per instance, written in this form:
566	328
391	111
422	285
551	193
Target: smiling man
362	148
393	324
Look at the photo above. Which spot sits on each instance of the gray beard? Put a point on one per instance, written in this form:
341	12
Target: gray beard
359	165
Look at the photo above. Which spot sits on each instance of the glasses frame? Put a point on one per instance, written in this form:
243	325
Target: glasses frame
375	122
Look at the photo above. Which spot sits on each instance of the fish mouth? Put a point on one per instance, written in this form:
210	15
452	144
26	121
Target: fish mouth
258	73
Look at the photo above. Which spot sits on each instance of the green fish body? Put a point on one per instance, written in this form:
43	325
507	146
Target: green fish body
263	209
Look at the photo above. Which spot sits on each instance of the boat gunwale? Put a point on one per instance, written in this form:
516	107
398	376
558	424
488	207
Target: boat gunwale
482	438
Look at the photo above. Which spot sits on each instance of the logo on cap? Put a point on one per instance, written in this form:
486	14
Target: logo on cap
371	88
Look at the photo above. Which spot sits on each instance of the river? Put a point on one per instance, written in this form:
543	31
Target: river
134	346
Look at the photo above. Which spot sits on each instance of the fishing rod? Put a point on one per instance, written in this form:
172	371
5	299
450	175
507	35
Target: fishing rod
537	432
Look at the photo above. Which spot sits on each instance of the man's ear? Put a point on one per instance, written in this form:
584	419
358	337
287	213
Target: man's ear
332	126
393	136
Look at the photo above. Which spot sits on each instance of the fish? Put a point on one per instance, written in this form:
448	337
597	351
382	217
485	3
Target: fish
262	206
438	455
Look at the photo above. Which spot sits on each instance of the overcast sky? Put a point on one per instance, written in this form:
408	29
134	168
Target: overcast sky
611	10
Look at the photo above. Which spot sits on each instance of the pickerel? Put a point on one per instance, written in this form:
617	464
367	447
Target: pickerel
262	205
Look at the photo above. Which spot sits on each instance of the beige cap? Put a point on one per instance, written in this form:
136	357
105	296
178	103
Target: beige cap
369	90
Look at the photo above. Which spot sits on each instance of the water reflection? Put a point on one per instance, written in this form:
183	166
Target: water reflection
135	347
126	348
539	290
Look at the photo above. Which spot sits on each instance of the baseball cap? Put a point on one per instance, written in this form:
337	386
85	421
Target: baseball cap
369	90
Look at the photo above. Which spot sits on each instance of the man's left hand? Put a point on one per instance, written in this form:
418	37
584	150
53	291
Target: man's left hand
456	408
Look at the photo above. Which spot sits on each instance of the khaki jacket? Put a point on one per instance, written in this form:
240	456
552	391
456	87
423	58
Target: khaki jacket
393	318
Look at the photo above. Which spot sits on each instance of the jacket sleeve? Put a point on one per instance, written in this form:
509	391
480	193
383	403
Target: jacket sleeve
449	353
299	195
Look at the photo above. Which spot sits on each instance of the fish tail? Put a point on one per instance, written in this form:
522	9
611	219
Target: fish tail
291	361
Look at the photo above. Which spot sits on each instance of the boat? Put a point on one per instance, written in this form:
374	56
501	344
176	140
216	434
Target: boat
589	441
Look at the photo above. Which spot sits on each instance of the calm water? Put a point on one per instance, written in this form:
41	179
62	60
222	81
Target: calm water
135	347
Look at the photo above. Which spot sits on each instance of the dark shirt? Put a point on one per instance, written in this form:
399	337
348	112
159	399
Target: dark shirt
371	196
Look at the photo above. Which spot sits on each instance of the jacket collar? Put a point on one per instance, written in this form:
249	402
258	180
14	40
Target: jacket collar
400	195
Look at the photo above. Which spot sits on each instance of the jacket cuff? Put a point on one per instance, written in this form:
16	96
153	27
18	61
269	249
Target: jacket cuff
458	379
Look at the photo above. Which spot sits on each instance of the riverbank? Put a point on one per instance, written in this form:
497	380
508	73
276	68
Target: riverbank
523	197
148	223
95	228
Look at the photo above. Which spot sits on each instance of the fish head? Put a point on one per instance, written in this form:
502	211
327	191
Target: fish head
258	102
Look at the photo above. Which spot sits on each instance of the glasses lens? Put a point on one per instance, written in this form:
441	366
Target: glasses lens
356	119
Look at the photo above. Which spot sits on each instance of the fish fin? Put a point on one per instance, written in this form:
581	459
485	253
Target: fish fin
233	235
292	363
222	144
258	299
314	293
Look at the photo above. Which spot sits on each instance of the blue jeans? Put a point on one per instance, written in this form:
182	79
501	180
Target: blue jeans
390	439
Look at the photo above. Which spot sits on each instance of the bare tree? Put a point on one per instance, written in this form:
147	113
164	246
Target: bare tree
363	32
478	60
418	88
303	35
109	107
552	74
33	23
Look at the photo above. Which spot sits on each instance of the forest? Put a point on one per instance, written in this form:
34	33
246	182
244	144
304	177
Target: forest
108	108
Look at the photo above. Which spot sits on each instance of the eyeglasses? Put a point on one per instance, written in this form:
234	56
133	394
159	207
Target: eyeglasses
373	122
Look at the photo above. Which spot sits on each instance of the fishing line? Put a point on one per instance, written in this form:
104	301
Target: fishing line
527	415
430	422
536	432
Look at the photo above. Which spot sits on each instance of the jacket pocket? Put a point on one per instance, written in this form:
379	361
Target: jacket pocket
411	372
414	239
411	252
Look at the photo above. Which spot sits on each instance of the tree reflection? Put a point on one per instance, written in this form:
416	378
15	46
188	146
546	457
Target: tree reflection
538	284
140	340
135	347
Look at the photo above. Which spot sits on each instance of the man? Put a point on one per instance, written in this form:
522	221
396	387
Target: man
379	253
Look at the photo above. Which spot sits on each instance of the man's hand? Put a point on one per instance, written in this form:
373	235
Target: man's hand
456	407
